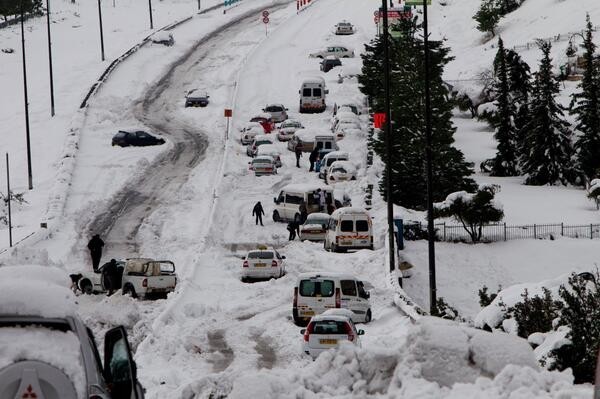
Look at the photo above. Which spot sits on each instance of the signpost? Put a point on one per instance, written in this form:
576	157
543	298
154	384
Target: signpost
265	19
228	114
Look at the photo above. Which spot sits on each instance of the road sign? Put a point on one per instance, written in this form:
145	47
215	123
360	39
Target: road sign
266	20
228	113
376	13
265	13
376	20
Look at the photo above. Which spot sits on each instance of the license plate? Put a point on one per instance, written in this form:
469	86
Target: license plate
309	313
260	264
346	242
328	341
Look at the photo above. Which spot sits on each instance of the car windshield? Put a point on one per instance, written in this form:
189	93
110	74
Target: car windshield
261	142
260	255
258	119
330	327
316	220
316	288
121	134
261	162
338	170
273	108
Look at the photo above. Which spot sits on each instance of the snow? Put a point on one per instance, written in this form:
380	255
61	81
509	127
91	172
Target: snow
48	274
348	211
33	297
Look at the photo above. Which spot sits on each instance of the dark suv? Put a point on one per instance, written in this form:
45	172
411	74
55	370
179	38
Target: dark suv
138	138
329	63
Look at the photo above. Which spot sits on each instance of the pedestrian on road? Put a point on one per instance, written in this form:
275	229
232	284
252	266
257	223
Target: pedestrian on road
322	202
291	227
314	156
303	212
258	211
298	151
297	223
95	246
111	276
317	197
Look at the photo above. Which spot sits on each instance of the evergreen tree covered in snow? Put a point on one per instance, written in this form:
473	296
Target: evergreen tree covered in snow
13	7
547	154
488	16
519	88
505	162
407	88
586	107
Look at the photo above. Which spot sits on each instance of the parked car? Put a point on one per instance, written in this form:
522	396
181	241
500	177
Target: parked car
312	138
316	292
163	37
48	351
341	171
95	283
344	28
278	112
264	262
144	277
287	203
249	131
343	128
313	93
266	121
322	154
263	165
328	159
355	109
349	228
314	227
327	330
270	150
136	138
329	63
257	142
337	51
196	98
287	129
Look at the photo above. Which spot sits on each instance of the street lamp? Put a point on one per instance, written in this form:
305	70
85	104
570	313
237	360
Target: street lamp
29	174
101	32
50	59
150	9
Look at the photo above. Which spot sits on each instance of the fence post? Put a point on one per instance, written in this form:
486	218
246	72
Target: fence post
534	231
444	231
562	229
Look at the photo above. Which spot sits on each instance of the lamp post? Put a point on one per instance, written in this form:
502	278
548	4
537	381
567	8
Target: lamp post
429	160
101	32
26	97
50	59
388	133
8	199
150	10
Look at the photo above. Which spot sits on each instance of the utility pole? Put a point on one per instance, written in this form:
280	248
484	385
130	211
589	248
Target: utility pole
429	157
198	5
8	199
388	134
29	174
101	31
50	59
150	9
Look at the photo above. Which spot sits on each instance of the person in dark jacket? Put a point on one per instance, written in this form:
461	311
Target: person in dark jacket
291	227
258	211
303	212
314	156
95	246
298	152
111	276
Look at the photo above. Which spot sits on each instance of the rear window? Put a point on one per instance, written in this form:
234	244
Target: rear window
347	225
260	255
330	327
273	109
306	93
362	225
317	92
348	287
313	288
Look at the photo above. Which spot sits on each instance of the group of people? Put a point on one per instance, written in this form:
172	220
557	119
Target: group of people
110	270
312	158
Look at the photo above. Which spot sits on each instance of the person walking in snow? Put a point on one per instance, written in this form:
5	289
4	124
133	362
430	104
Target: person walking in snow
258	211
313	157
95	246
303	211
292	227
298	152
111	276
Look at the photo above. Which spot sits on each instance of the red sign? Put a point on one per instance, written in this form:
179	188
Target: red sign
394	14
378	120
228	113
265	13
266	20
376	19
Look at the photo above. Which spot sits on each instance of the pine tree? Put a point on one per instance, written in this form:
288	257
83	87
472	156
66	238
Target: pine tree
586	106
548	150
13	7
505	162
519	88
488	16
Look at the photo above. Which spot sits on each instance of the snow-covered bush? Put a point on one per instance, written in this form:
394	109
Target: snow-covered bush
17	200
594	192
472	210
535	313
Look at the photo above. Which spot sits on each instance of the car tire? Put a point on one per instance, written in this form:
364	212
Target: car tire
368	316
129	290
86	287
244	279
276	217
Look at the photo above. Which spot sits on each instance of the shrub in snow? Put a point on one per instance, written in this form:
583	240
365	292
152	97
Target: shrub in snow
17	201
471	210
594	192
535	314
484	298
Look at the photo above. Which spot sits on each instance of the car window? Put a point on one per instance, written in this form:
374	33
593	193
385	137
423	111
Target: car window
293	199
273	109
120	134
142	135
312	288
348	287
330	327
362	225
343	49
331	49
328	145
316	92
338	170
361	289
260	255
347	225
306	92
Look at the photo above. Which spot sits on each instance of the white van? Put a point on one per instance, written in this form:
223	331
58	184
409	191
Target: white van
316	292
330	158
287	203
349	228
311	138
312	95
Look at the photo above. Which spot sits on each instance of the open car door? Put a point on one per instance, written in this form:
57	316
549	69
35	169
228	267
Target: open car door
119	368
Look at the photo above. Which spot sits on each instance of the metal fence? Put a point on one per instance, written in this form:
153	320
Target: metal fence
504	232
561	37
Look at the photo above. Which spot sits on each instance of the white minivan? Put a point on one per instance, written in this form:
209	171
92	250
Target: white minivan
316	292
349	228
312	95
287	203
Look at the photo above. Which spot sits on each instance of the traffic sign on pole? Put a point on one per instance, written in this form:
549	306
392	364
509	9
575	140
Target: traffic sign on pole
266	20
265	13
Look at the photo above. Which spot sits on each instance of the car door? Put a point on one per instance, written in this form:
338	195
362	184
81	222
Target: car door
142	138
120	370
349	296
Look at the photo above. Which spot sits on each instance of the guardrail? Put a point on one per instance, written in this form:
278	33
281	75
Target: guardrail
17	243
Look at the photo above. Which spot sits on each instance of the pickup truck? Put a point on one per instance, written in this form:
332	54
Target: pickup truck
144	277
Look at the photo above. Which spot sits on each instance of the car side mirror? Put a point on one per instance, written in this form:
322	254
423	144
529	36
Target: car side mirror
361	332
287	109
275	200
303	331
119	367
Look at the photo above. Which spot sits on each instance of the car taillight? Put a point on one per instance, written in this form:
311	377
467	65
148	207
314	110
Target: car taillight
145	283
338	299
350	333
245	263
274	263
309	330
295	297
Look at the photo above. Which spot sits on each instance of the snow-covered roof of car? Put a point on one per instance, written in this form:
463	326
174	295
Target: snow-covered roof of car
261	137
325	274
332	317
336	154
264	115
291	122
28	294
314	79
161	35
349	166
318	215
349	210
197	93
305	187
263	158
268	149
343	115
338	312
